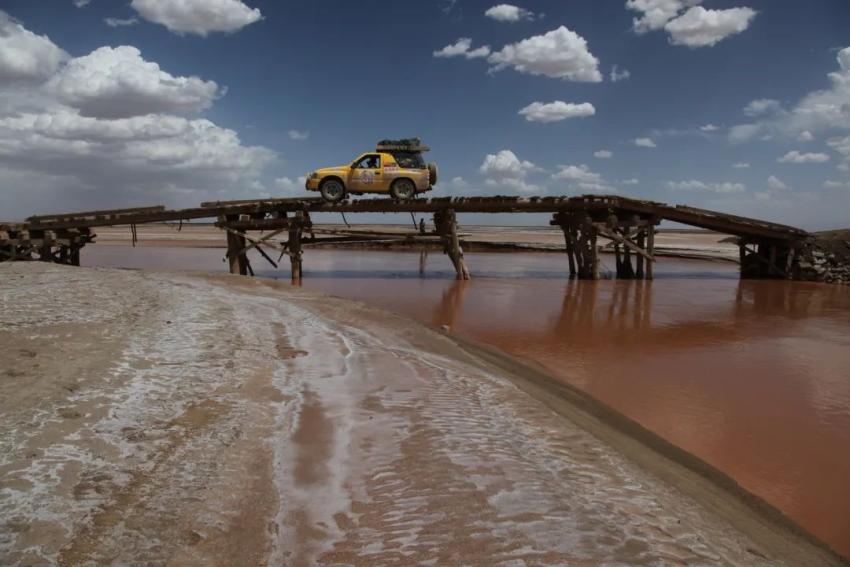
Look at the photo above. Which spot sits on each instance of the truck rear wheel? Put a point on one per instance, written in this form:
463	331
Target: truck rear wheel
332	190
403	189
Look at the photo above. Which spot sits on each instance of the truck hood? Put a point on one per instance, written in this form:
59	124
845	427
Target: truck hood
341	170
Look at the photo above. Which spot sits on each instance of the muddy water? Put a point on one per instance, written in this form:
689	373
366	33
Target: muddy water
753	377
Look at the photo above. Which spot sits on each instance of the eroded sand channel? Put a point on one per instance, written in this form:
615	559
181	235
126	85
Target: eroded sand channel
156	418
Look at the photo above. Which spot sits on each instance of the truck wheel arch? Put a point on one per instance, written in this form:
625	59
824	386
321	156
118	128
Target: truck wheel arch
333	178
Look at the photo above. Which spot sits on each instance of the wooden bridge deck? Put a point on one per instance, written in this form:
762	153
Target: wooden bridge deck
628	223
711	220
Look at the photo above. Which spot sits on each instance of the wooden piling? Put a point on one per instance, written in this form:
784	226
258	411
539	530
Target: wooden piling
75	254
446	223
594	254
650	248
569	239
641	242
236	256
294	247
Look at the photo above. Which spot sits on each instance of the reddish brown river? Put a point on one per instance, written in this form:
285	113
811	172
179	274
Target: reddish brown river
753	377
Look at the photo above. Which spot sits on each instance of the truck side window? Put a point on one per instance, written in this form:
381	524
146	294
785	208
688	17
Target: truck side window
369	162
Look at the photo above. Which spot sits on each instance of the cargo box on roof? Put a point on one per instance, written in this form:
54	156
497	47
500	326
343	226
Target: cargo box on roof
403	145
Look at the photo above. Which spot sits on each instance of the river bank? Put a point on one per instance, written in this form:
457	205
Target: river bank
221	420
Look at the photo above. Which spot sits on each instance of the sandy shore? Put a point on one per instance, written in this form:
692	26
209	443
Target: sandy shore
193	420
679	243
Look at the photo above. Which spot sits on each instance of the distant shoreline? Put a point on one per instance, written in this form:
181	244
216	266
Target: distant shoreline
675	243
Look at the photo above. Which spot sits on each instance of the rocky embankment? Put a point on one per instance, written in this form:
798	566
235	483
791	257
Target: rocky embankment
826	258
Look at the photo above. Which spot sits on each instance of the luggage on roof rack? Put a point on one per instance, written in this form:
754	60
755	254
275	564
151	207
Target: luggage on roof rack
403	145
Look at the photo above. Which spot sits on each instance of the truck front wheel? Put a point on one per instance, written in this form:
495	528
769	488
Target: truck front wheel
332	190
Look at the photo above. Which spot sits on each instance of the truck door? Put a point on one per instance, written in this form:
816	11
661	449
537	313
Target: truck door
367	175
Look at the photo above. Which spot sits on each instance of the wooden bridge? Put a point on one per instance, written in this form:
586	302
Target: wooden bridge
767	250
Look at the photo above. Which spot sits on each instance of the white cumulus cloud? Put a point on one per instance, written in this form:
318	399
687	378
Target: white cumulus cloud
699	27
689	24
106	130
581	179
822	110
560	54
463	48
741	165
842	147
505	164
616	75
118	22
797	157
288	186
458	182
199	17
656	13
603	154
762	106
644	143
152	154
556	111
298	135
508	13
829	184
504	170
776	184
118	83
694	185
25	56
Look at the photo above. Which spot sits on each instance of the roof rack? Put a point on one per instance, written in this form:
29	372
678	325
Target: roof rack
403	145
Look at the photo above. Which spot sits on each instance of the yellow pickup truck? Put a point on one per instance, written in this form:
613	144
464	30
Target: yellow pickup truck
396	167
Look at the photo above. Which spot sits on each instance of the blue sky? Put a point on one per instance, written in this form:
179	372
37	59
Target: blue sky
247	100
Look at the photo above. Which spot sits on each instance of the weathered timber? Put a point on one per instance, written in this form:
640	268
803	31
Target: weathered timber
446	224
294	246
590	204
641	244
629	224
236	257
106	213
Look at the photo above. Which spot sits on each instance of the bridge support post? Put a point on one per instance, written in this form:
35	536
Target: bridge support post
75	252
580	236
650	247
236	256
296	228
767	259
446	223
628	238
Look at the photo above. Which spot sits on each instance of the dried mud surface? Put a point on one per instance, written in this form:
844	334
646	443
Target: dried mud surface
154	418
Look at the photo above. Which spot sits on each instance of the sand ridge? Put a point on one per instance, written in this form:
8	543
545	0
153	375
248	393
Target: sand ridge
222	420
